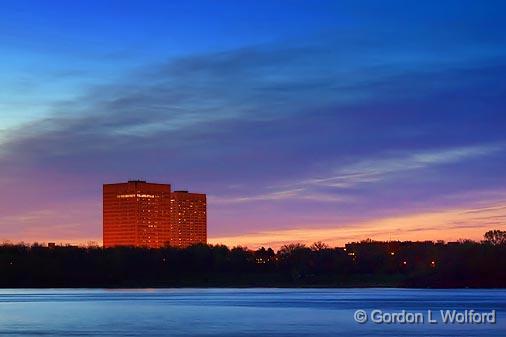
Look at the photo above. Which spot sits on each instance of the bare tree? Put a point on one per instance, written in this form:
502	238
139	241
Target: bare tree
495	237
319	246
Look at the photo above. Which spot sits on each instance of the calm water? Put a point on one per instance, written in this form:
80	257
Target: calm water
237	312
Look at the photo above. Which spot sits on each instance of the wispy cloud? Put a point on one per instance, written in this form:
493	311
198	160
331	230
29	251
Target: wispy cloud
69	222
372	170
447	224
366	171
294	194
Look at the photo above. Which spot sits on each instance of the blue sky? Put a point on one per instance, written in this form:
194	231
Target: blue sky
302	119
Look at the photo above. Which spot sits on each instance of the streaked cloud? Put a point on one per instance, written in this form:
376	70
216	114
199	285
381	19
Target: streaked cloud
449	225
366	171
371	170
65	222
298	194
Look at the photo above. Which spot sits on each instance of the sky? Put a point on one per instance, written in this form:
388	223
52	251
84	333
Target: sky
303	121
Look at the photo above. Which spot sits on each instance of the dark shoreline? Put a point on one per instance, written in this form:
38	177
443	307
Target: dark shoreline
368	264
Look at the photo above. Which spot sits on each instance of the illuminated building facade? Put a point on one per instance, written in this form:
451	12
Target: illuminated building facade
141	214
188	222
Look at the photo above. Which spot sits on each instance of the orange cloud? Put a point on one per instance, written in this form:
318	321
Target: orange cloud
448	225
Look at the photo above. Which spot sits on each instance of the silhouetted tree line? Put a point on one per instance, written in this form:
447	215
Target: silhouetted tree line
359	264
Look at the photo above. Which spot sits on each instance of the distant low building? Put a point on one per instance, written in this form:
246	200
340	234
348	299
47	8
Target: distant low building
142	214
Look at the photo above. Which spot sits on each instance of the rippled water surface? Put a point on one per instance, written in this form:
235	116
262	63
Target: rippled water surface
237	312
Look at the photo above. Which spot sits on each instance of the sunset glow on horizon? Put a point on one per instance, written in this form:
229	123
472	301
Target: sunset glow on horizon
302	122
447	225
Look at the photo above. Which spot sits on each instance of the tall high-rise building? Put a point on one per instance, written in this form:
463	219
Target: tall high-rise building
141	214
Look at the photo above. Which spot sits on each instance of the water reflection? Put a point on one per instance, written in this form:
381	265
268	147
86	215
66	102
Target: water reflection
235	312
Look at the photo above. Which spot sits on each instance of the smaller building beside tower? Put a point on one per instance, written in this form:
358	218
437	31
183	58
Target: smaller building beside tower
188	222
142	214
